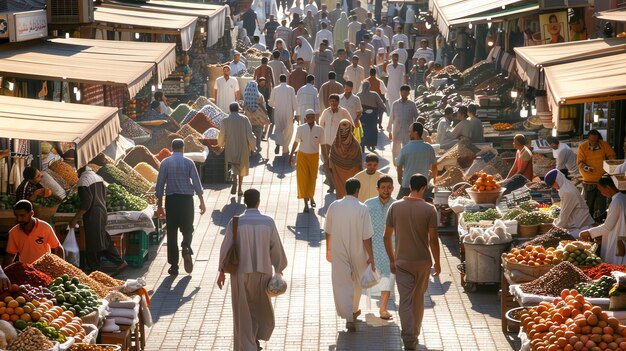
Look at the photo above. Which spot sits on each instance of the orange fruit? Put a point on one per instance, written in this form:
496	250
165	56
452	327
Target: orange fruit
9	310
15	288
19	311
36	315
26	317
20	299
14	317
13	303
8	299
5	317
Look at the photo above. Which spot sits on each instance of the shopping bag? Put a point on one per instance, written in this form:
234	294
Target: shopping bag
70	245
369	278
277	285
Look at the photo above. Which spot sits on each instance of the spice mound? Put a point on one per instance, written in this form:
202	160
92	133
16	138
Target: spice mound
550	239
23	273
603	269
31	339
562	276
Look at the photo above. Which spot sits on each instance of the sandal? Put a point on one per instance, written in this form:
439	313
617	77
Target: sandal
313	204
386	315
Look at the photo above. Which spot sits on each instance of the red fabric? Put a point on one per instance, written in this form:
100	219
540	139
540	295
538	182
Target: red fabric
114	96
93	94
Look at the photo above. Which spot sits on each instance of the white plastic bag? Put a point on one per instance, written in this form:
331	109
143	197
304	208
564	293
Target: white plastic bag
369	278
277	285
70	245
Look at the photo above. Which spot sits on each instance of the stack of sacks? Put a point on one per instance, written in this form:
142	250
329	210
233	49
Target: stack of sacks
124	312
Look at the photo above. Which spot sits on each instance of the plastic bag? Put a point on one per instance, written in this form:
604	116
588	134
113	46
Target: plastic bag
369	278
277	285
70	245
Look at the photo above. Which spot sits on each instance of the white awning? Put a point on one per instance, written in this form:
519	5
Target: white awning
617	15
447	11
91	128
531	59
138	21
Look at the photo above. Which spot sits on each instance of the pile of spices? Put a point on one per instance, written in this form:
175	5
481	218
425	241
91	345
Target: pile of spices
140	154
550	239
562	276
163	154
55	267
603	269
23	273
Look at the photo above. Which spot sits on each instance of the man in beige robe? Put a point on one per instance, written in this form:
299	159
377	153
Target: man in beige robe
349	250
260	249
237	139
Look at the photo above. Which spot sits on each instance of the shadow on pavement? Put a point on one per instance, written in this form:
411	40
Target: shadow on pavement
328	199
167	299
280	166
307	228
372	334
223	216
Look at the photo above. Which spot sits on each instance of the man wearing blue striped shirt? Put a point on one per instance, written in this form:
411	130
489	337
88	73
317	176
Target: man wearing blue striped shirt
181	176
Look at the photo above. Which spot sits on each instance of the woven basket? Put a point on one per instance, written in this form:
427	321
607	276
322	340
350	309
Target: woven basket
532	271
45	213
617	303
545	227
526	231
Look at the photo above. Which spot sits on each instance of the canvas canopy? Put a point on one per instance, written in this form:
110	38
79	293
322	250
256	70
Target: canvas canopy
531	59
618	15
142	21
214	14
448	12
98	62
91	128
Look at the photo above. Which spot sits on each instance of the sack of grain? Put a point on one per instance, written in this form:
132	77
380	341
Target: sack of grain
147	171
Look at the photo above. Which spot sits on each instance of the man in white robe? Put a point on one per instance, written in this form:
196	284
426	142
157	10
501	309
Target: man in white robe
283	101
260	249
349	250
226	90
322	34
237	139
307	99
397	78
613	230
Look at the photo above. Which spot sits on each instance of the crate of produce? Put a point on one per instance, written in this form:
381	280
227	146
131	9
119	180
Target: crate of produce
610	166
137	248
529	272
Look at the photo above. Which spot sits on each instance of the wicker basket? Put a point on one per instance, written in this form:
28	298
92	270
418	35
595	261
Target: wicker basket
526	231
45	213
545	227
486	197
617	303
532	271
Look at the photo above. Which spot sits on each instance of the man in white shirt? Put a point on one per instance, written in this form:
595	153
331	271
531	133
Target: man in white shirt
445	126
399	36
309	138
369	178
565	157
403	55
424	51
283	101
225	90
355	73
236	65
349	232
322	34
353	27
329	120
396	78
352	103
311	6
387	30
409	21
360	12
257	44
307	99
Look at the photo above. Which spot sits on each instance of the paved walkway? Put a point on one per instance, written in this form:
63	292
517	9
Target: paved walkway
191	313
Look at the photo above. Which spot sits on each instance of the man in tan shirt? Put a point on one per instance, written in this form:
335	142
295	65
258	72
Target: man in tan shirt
415	224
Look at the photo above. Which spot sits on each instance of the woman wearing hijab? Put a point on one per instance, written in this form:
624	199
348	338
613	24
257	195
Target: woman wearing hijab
340	30
371	104
574	215
254	109
345	157
303	50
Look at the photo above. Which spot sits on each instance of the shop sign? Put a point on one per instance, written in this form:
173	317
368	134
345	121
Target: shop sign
29	25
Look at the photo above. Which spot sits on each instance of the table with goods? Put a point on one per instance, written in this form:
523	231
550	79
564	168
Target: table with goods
53	305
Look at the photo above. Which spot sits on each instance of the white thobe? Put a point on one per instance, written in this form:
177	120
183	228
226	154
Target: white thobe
394	82
443	129
369	182
226	92
283	101
330	120
613	228
353	27
307	99
356	76
348	223
260	249
321	35
574	215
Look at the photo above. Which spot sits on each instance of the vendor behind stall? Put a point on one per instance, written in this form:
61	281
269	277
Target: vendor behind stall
31	237
590	157
565	157
574	215
30	189
523	158
613	230
93	211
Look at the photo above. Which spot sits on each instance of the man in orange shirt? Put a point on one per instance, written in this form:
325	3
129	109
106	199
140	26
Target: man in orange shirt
31	238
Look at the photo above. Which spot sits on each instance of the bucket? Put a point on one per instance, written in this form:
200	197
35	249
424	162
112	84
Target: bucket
527	230
482	262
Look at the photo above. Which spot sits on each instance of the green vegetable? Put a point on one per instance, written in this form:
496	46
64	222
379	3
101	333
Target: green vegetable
114	175
598	288
118	199
487	215
73	296
514	213
529	206
533	218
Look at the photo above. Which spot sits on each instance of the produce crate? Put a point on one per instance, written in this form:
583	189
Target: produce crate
120	241
610	166
156	236
529	272
137	249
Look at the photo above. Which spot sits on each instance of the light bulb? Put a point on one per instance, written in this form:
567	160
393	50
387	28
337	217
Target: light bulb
554	132
78	96
489	25
75	90
533	110
523	112
160	86
153	88
471	25
490	42
11	86
67	35
202	30
137	36
514	93
596	118
503	7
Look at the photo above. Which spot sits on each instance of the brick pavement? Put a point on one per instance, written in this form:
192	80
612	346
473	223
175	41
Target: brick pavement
191	313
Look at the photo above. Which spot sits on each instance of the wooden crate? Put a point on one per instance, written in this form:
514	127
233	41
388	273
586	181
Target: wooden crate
507	302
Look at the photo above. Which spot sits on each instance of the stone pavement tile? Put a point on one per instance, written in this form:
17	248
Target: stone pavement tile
191	313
